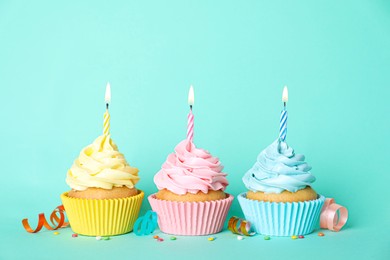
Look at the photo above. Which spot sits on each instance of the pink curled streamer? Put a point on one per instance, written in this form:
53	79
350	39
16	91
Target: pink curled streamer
330	219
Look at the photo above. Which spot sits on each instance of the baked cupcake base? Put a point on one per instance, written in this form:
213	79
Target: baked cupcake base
285	196
98	193
102	217
191	218
200	196
282	219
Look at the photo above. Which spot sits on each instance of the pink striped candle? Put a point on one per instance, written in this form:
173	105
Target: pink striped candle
190	126
190	122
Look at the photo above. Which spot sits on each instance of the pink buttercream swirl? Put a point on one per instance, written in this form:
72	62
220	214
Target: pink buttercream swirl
190	169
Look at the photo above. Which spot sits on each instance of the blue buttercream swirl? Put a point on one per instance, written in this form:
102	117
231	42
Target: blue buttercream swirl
277	169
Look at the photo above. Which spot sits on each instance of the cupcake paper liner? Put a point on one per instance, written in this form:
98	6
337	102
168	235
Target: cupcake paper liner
102	217
191	218
282	219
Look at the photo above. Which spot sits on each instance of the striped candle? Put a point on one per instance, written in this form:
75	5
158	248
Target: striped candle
283	125
106	123
107	99
190	122
283	116
190	126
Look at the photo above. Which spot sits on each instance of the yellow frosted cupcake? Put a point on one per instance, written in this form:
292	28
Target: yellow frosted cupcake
103	200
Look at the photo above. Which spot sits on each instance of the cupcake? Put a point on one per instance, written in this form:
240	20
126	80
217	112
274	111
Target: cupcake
280	200
191	199
103	200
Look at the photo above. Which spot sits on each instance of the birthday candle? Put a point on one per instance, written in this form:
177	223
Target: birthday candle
190	122
283	116
106	123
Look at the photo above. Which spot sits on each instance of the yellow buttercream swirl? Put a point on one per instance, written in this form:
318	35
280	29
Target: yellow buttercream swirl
101	165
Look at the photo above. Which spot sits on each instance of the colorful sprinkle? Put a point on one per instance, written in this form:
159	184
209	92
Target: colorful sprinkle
155	237
75	235
98	238
211	239
173	238
240	237
106	238
294	237
160	239
267	238
300	236
320	234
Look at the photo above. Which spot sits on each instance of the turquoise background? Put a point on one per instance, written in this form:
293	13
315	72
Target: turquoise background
55	60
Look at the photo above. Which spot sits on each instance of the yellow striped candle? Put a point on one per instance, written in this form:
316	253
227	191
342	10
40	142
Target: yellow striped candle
106	122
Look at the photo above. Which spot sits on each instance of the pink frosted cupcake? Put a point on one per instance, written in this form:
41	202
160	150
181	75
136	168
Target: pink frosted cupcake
191	198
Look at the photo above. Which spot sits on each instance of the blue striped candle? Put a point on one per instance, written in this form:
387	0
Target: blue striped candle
283	125
283	116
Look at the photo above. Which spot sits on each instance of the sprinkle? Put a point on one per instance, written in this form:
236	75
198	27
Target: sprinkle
155	237
267	238
160	239
294	237
300	236
106	238
240	237
75	235
56	233
98	238
173	238
211	239
320	234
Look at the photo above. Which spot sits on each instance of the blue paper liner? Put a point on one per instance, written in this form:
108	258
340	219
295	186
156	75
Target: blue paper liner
282	219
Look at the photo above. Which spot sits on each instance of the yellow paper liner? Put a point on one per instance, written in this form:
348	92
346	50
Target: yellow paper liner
102	217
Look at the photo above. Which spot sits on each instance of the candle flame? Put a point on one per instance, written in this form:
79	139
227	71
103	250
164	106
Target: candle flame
191	97
285	94
107	97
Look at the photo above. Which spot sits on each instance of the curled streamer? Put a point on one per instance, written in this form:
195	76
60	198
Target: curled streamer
333	216
57	219
146	224
240	226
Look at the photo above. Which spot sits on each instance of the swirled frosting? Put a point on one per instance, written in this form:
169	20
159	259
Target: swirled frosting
277	169
190	169
101	165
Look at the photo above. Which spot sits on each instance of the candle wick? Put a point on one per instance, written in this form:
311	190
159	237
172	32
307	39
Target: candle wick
284	104
191	107
107	106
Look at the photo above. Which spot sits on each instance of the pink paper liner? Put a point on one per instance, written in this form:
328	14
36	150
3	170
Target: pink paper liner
191	218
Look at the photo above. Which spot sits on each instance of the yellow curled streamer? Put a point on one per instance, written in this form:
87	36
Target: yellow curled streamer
240	226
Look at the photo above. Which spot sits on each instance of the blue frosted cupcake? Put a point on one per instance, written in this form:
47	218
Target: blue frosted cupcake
280	200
